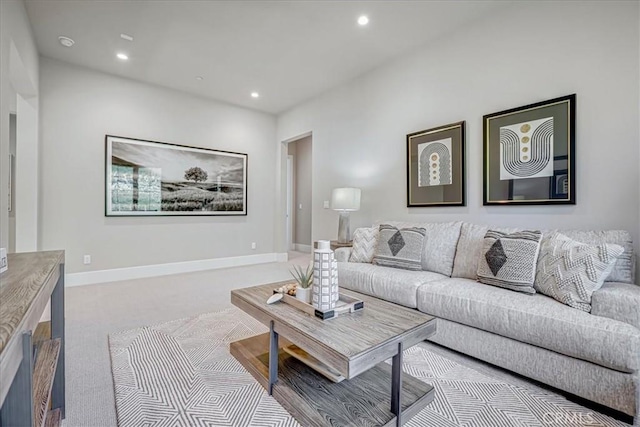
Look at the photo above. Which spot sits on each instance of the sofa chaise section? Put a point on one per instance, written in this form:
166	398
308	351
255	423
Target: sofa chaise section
534	319
590	381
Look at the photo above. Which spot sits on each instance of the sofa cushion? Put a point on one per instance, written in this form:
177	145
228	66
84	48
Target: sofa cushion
570	271
342	254
624	269
439	245
509	260
469	249
364	244
399	247
534	319
472	235
391	284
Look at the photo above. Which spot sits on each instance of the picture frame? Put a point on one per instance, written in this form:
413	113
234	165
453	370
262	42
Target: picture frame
529	154
150	178
436	166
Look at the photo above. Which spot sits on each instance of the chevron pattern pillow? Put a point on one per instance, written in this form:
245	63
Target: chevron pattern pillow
570	271
400	248
509	260
365	241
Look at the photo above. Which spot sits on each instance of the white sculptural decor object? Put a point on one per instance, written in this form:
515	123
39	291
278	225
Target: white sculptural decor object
325	277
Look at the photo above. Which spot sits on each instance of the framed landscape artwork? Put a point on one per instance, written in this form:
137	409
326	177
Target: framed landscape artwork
529	154
435	166
147	178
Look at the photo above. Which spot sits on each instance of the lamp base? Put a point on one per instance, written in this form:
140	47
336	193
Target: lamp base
344	233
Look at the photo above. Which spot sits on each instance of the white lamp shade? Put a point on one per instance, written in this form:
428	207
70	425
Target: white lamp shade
345	199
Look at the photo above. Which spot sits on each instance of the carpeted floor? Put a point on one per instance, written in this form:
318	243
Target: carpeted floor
180	373
94	311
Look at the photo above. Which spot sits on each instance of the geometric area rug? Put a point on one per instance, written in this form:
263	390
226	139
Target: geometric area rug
181	374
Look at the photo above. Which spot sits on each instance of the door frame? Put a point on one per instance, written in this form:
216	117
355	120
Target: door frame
289	210
282	235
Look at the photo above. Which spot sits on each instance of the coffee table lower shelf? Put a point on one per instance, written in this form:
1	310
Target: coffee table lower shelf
315	401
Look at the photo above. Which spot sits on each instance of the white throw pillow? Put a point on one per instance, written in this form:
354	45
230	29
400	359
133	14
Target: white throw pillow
365	241
509	260
400	248
570	271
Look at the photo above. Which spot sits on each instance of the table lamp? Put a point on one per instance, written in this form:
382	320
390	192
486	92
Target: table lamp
345	200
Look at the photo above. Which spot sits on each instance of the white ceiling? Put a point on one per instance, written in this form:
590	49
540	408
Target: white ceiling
288	51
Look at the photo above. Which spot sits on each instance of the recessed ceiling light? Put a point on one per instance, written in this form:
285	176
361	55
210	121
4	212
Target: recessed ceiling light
363	20
255	95
126	37
199	78
66	41
122	56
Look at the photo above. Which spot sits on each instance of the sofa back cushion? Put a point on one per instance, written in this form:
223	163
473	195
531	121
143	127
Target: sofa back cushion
440	244
471	240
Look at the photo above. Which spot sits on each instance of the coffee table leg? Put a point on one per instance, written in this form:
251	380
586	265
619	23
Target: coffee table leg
396	385
273	358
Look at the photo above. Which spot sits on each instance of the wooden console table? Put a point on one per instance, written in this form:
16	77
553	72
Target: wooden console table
32	379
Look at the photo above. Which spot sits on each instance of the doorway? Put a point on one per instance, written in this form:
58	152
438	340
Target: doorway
23	222
12	183
299	194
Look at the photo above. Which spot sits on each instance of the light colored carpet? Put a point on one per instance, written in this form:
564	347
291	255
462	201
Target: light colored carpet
94	311
181	373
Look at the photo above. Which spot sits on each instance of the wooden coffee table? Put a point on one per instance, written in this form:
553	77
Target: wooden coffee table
353	345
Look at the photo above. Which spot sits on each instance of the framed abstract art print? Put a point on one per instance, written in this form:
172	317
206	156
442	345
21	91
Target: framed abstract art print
435	166
529	154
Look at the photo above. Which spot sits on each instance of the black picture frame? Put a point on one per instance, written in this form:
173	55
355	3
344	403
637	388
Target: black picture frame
525	149
151	178
428	183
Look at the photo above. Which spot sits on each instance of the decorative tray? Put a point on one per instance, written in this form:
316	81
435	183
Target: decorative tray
345	304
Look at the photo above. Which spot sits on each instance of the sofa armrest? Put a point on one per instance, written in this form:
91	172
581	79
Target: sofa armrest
342	254
618	301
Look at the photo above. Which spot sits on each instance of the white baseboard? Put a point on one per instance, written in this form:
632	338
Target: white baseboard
302	248
129	273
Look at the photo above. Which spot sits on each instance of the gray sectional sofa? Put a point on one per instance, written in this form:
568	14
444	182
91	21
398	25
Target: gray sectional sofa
592	355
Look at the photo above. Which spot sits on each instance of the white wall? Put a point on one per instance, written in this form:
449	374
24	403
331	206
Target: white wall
18	74
80	106
529	52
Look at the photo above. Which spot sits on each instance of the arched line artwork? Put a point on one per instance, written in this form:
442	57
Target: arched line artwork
434	163
526	149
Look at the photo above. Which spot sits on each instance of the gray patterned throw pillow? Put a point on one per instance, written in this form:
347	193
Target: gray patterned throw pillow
400	248
570	271
364	245
509	260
